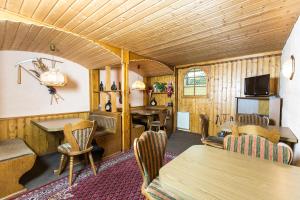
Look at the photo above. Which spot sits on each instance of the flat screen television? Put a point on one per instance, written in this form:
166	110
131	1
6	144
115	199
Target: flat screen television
257	85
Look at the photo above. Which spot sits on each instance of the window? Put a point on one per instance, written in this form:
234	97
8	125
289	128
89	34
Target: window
195	83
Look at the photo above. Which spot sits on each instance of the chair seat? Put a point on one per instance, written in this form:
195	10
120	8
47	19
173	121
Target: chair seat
157	192
64	148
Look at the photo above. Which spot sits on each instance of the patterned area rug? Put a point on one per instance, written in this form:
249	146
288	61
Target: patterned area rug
117	178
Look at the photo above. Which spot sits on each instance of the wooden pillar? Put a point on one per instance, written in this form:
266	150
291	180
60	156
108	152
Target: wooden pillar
146	97
125	103
176	101
94	89
107	78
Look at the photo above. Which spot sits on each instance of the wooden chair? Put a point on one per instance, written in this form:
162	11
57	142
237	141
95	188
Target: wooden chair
272	135
259	147
162	121
213	141
149	151
79	138
253	119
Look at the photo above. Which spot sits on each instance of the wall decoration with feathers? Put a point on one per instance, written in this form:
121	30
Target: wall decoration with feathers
39	67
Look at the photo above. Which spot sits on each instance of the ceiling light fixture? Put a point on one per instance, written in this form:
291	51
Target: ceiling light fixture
53	77
138	84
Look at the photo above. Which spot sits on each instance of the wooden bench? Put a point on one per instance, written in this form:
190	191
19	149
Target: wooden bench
15	160
109	131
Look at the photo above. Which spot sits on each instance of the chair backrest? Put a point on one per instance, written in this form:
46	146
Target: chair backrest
204	125
259	147
254	119
80	135
163	117
272	135
149	151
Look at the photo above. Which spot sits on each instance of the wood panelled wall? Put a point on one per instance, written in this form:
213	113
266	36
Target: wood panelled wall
162	99
226	81
38	140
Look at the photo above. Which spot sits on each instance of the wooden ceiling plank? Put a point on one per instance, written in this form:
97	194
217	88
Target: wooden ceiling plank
20	36
29	7
74	11
167	38
3	3
234	27
14	5
163	21
190	22
237	42
11	30
131	14
43	9
117	12
58	10
222	35
83	15
104	10
3	33
177	5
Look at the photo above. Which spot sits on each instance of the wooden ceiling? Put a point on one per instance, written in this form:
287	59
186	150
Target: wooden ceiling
174	31
26	37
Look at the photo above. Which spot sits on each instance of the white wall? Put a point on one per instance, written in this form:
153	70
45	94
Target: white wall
290	89
31	98
135	97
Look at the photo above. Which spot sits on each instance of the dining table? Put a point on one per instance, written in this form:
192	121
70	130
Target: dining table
149	114
55	126
286	134
203	172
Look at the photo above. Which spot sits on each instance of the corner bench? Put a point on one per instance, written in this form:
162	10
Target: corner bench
108	134
15	160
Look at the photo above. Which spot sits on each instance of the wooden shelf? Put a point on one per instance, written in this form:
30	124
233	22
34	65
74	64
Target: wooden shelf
107	91
159	93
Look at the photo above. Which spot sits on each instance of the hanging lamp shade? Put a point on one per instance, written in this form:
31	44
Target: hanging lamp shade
138	85
53	77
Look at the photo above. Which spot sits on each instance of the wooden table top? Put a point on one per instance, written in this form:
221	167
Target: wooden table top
203	172
286	134
54	125
144	112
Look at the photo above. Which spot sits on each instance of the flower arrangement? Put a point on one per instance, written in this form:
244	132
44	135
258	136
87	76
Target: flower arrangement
170	89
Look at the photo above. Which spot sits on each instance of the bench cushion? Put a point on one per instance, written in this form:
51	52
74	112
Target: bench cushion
13	148
105	124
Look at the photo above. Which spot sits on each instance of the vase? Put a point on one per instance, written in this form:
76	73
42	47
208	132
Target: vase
113	86
101	86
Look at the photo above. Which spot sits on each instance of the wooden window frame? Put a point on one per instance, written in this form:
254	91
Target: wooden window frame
206	71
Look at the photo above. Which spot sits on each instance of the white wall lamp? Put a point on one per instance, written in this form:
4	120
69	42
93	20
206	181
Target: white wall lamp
288	69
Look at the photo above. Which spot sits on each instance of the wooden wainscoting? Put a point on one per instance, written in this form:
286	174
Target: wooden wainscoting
38	140
226	81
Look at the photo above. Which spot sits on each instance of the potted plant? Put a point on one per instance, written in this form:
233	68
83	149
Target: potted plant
159	87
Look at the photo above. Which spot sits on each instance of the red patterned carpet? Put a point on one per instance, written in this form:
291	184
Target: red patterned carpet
117	178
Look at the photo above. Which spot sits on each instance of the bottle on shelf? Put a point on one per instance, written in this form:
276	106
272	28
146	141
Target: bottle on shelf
101	86
108	106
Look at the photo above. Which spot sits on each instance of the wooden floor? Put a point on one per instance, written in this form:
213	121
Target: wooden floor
42	172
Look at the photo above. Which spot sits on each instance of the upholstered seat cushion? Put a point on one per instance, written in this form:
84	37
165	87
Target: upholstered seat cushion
10	149
64	148
157	192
